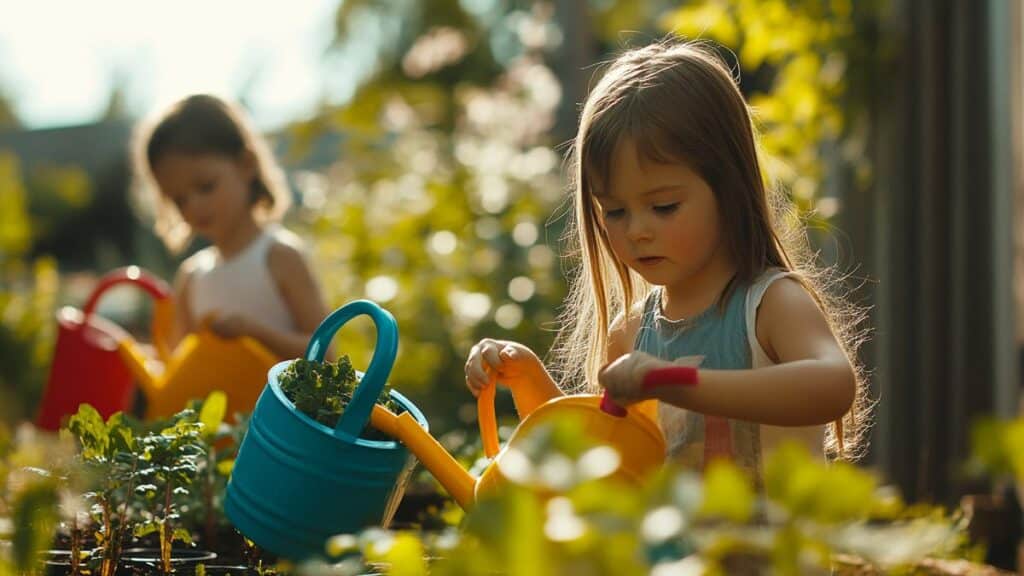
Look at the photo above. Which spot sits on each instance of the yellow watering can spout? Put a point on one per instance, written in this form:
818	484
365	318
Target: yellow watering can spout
635	435
455	479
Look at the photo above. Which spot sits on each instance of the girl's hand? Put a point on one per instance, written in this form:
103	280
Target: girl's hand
510	363
624	378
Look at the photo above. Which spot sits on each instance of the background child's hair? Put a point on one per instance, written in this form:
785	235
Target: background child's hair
677	101
197	125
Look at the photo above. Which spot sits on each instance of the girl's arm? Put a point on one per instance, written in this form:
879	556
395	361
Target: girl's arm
301	295
813	382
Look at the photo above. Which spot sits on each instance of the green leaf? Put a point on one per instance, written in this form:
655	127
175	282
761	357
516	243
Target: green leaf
182	535
88	426
146	528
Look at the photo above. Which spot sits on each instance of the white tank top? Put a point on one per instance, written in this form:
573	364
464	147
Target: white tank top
813	437
241	284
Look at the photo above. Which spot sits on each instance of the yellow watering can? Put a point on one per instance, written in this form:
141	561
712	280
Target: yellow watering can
633	432
201	363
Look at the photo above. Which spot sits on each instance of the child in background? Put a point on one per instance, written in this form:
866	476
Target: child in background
686	260
205	172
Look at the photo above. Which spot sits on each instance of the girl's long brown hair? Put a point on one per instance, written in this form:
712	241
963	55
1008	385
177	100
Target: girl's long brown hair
202	124
678	102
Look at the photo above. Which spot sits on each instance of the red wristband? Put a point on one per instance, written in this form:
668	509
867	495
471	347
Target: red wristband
671	376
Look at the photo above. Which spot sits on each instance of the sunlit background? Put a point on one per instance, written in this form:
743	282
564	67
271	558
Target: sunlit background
111	57
424	143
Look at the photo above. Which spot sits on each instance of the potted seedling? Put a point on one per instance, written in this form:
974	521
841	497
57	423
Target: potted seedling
111	453
173	457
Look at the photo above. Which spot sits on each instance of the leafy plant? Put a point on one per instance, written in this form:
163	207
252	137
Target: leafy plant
172	463
322	390
112	452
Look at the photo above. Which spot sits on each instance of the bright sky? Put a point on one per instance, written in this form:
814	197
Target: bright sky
59	59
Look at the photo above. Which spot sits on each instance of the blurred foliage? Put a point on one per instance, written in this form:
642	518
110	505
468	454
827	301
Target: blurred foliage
40	485
438	205
28	291
56	194
568	516
997	449
806	68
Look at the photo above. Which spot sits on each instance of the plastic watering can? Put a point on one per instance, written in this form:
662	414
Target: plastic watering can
633	432
201	363
87	367
297	482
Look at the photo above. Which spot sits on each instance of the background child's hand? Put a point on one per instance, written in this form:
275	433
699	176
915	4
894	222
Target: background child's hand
624	377
505	361
228	325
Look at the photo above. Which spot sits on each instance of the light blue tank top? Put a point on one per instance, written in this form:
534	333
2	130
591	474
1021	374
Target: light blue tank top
716	339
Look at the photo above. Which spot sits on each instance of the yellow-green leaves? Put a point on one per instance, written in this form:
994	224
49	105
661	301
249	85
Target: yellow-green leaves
402	552
797	50
727	492
211	416
997	447
811	489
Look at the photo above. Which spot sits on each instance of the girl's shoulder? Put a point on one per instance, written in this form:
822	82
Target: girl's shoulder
781	301
286	252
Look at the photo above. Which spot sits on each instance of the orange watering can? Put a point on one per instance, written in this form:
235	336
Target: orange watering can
633	432
201	363
87	367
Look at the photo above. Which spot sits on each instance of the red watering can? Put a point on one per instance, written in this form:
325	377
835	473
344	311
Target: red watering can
87	366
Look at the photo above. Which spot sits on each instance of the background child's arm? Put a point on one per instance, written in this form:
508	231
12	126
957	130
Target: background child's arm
301	295
813	382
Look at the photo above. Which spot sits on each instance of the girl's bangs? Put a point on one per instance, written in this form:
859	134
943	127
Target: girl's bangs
654	142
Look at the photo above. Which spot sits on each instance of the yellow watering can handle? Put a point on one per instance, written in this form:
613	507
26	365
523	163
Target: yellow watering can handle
162	323
488	422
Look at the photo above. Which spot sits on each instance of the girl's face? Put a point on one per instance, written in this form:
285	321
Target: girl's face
661	219
211	191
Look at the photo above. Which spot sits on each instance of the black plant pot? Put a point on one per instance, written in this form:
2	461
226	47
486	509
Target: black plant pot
228	570
136	561
56	562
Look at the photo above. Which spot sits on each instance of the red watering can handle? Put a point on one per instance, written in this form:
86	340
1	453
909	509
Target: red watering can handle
156	288
670	376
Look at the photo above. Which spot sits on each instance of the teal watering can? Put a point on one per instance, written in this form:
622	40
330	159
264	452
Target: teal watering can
297	482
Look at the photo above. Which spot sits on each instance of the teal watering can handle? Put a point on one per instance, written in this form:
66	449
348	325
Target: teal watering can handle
357	413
